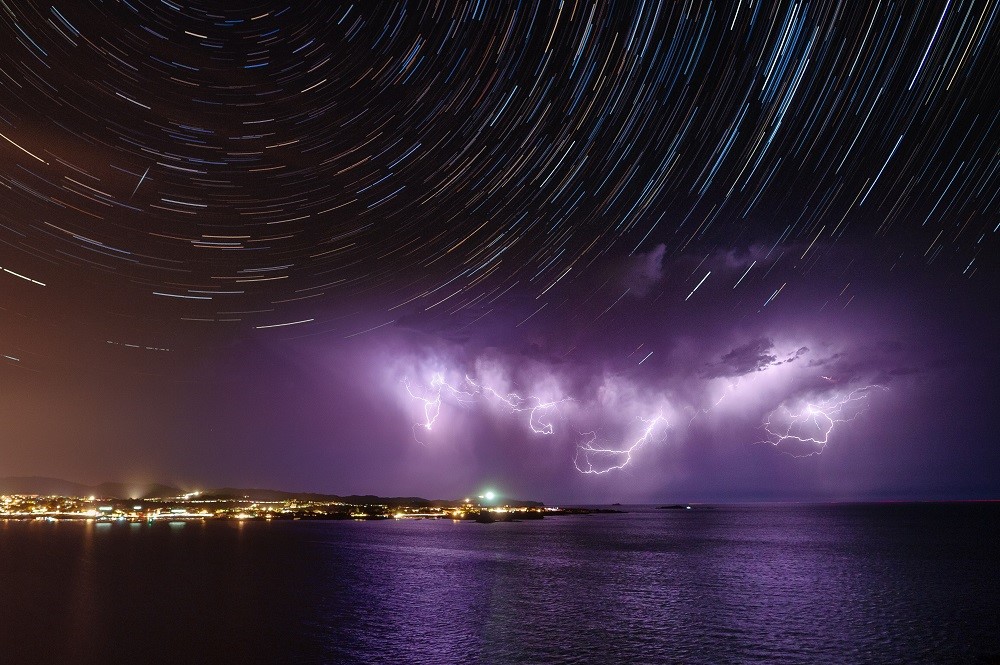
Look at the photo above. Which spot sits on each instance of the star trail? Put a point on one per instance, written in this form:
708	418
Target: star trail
273	204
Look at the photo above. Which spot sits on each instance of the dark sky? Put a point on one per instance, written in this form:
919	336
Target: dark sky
571	251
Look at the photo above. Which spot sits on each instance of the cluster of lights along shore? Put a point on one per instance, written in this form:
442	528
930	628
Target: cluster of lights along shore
198	506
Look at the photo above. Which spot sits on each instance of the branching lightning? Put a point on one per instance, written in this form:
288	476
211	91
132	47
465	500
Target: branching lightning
432	405
810	427
730	388
539	411
431	398
591	459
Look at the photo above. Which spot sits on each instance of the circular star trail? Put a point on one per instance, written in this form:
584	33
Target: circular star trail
333	165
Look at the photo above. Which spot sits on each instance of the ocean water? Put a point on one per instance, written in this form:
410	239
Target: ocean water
898	583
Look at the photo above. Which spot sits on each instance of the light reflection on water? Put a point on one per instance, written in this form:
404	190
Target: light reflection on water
879	584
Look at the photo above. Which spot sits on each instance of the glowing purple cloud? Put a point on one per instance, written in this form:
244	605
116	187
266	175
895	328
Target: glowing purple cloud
734	390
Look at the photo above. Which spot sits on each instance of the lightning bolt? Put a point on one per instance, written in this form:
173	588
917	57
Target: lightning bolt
431	397
812	426
731	387
432	405
591	459
539	412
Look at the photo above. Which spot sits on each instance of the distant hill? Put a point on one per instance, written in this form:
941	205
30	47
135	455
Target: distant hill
258	494
58	487
138	491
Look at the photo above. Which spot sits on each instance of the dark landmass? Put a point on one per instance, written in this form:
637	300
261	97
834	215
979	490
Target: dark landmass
42	486
259	494
674	506
53	499
234	493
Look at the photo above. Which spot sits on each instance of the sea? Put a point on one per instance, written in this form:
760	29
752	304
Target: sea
851	583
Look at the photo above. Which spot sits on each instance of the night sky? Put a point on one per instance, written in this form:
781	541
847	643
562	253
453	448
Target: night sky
570	251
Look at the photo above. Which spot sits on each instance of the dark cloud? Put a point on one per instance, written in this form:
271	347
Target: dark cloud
879	362
751	357
644	270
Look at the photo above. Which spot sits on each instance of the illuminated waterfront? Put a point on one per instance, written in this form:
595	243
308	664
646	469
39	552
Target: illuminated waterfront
195	506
